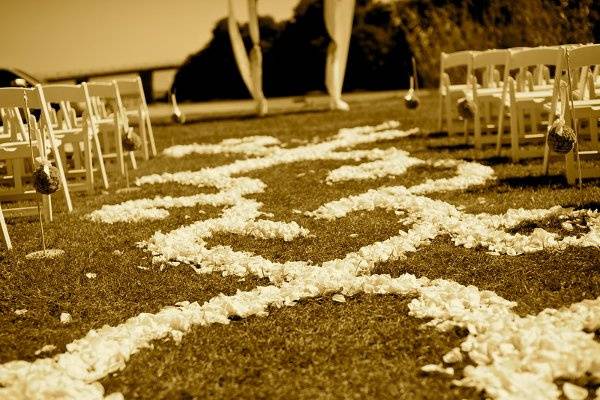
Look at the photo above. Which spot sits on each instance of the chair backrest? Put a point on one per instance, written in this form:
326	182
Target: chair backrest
132	88
459	59
107	92
583	56
490	58
456	59
17	102
486	63
69	93
103	90
549	56
70	98
541	58
15	97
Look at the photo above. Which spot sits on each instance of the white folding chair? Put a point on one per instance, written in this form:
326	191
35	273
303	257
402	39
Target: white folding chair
79	135
485	94
449	92
577	61
112	126
132	91
16	150
524	96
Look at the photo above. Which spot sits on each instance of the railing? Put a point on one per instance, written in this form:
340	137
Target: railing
145	73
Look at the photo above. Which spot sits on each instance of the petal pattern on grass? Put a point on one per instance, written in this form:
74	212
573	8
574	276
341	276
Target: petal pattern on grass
250	145
511	357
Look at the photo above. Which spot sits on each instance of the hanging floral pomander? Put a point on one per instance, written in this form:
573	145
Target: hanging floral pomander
131	141
561	138
411	101
466	108
45	177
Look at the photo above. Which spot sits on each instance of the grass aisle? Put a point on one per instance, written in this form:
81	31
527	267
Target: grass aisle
367	347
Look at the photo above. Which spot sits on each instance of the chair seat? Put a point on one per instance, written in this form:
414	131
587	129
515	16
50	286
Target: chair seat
486	93
587	105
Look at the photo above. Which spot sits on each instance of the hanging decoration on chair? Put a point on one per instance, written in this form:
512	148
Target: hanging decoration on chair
131	141
561	138
177	116
411	100
45	181
250	67
45	177
338	16
466	108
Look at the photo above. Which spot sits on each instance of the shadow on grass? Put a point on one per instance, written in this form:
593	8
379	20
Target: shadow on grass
244	116
437	134
492	160
592	205
450	147
555	181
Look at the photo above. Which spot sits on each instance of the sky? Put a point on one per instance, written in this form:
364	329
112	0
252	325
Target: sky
57	37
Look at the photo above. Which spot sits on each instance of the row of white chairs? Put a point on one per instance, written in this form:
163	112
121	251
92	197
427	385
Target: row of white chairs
522	85
78	128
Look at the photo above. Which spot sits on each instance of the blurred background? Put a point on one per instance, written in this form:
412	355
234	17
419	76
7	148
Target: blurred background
186	43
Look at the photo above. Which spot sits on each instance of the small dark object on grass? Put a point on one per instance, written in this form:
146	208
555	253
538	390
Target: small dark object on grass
561	138
131	141
466	108
46	178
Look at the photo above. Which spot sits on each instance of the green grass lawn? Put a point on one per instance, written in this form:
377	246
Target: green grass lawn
366	348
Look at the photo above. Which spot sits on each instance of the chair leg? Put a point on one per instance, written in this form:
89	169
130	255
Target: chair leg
449	125
514	134
150	133
89	172
477	128
62	174
546	162
500	132
593	122
98	152
5	234
570	170
143	133
132	160
440	112
119	148
534	120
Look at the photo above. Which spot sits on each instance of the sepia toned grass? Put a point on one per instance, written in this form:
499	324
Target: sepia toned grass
367	347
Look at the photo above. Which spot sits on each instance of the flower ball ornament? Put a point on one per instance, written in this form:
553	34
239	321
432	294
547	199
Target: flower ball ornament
178	118
466	108
46	178
411	101
131	141
561	138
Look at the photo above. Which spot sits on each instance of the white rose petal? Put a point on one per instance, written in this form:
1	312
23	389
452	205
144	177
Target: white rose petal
574	392
65	318
339	298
